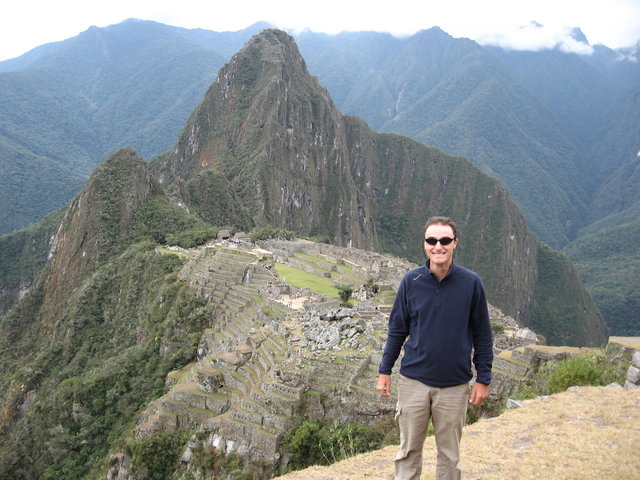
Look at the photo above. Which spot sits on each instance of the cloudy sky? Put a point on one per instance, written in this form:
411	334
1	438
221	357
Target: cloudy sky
25	24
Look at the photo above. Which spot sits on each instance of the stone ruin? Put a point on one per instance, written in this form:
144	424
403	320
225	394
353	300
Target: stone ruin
265	360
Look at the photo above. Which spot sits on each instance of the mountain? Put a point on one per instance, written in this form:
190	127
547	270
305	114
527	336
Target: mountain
295	162
453	94
65	107
556	128
121	348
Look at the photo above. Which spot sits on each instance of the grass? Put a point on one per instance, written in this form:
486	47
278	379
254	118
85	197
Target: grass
166	251
300	279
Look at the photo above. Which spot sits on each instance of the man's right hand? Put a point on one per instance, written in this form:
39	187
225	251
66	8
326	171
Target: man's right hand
384	385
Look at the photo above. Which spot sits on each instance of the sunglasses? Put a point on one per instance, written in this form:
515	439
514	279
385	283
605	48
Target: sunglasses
443	241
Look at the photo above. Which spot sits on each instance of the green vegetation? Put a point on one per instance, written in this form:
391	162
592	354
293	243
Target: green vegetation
266	232
166	223
192	237
580	370
609	266
561	310
23	254
210	195
106	367
156	457
61	119
496	328
301	279
344	292
313	442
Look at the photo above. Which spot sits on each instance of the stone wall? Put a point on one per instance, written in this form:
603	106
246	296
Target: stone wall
631	349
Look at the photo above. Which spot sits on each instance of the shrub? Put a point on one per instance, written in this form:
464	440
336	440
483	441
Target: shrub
344	292
496	328
156	457
266	232
192	237
580	370
313	442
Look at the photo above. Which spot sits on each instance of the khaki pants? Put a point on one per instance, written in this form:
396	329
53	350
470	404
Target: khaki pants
447	408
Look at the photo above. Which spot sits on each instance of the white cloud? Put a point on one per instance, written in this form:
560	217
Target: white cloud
25	24
535	36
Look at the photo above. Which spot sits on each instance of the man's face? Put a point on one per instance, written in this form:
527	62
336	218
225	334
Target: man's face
438	254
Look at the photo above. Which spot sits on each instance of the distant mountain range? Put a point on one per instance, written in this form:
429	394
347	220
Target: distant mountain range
559	130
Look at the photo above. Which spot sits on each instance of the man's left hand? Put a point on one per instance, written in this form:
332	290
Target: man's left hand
479	393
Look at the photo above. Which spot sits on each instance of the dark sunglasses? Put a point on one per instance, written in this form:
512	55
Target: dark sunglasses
443	241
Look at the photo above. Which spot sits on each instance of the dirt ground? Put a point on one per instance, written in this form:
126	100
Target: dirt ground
297	303
588	433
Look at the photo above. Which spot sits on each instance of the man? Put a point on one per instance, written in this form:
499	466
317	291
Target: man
441	312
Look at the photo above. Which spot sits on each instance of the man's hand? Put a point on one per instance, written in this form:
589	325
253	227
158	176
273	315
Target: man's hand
384	385
479	393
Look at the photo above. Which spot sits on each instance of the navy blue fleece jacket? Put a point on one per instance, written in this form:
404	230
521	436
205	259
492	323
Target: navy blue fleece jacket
443	321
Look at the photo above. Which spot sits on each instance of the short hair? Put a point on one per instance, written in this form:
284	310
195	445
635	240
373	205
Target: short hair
440	221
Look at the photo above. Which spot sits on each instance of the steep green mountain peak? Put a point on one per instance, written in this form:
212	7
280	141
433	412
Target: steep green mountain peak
97	223
278	139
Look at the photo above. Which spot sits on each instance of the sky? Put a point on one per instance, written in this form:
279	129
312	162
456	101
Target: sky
520	24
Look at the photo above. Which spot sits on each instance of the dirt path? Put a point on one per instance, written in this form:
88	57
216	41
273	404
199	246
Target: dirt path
588	433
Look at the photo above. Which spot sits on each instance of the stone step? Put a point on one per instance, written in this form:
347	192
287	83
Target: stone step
239	295
246	291
279	310
232	296
506	363
246	416
524	355
252	435
248	403
232	328
281	390
249	374
319	378
275	348
236	381
262	278
250	317
223	278
276	404
367	383
264	357
276	424
217	340
194	396
243	323
328	365
231	305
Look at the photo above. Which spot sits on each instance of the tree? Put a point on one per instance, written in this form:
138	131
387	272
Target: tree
345	291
